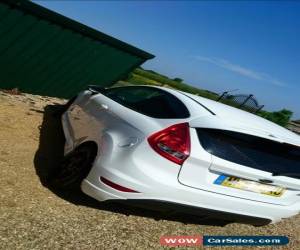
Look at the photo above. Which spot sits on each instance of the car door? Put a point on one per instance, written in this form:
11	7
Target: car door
75	120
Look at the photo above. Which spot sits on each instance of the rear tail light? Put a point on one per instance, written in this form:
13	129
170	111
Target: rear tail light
173	143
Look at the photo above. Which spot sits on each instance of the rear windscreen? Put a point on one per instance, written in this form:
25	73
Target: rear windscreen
252	151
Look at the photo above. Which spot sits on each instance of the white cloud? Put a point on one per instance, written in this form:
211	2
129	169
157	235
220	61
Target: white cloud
241	70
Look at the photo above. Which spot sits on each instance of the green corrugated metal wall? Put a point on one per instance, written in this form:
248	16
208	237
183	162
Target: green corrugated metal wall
40	56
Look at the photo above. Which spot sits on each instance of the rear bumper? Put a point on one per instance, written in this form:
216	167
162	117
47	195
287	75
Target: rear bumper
195	214
182	211
253	213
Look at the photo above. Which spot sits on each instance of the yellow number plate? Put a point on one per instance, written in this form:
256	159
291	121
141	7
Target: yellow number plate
247	185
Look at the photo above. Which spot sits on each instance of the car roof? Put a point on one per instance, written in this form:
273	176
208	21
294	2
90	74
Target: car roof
222	116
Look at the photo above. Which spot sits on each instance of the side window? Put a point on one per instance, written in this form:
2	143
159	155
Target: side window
149	101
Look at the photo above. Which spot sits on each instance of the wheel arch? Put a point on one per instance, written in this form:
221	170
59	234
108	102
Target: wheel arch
90	144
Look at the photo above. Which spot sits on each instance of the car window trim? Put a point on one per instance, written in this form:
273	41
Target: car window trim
148	87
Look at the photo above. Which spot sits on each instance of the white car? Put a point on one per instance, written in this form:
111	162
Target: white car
177	152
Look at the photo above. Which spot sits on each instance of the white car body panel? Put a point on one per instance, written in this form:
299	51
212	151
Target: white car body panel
125	157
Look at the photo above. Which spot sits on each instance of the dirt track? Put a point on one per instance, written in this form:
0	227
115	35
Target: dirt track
32	216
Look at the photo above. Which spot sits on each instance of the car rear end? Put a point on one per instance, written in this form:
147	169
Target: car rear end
171	168
222	185
247	186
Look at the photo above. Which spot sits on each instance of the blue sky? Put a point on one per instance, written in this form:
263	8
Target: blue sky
250	46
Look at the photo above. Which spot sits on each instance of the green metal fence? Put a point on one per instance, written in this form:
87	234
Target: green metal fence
45	53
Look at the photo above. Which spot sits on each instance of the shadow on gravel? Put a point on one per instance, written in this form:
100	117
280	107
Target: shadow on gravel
49	156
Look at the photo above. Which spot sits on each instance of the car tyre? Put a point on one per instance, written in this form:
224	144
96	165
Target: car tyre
74	168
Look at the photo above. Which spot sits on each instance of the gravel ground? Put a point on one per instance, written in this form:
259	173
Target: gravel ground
33	216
